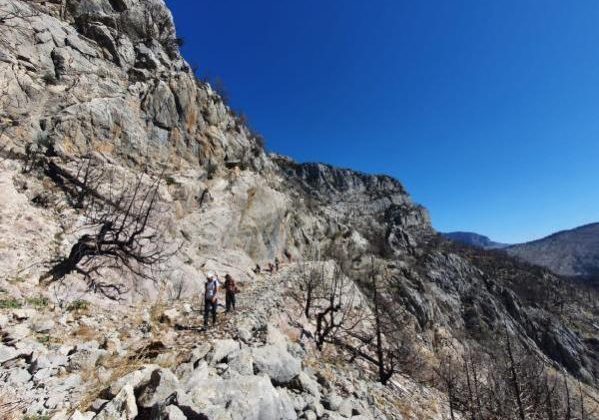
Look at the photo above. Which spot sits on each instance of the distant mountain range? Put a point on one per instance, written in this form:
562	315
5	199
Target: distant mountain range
572	253
474	239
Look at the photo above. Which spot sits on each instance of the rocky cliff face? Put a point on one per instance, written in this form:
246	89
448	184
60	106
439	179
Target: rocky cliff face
103	81
107	76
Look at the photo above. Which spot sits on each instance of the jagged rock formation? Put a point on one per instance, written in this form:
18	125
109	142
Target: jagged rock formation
474	239
104	80
572	253
107	76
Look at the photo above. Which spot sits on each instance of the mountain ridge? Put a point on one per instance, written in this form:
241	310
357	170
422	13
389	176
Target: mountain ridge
100	100
474	239
572	252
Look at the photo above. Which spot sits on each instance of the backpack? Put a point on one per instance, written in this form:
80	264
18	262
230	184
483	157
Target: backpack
231	286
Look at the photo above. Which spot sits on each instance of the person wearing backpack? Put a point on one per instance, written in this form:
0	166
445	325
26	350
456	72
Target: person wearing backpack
210	298
230	291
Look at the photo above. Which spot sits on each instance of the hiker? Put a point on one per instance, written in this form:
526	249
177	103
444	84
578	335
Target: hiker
277	263
230	291
210	298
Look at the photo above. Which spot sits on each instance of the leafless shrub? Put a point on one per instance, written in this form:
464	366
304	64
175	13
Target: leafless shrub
389	344
82	185
334	308
512	383
375	333
122	234
310	282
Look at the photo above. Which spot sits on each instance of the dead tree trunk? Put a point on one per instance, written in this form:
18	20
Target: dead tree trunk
384	375
515	379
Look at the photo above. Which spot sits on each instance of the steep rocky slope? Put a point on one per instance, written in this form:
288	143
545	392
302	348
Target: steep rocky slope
573	253
103	81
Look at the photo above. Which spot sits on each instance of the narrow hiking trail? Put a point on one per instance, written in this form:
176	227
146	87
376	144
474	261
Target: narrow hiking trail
256	303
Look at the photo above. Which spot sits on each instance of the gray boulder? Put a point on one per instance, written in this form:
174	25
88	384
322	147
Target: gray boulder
244	334
122	407
310	415
134	379
346	408
172	412
222	349
162	384
275	337
242	362
244	397
277	363
201	373
77	415
42	325
17	377
332	402
198	353
84	359
7	353
307	384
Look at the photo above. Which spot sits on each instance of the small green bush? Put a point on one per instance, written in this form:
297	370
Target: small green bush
170	180
10	304
43	338
38	302
78	305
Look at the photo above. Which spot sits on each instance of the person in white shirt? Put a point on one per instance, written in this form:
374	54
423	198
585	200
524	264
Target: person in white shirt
210	298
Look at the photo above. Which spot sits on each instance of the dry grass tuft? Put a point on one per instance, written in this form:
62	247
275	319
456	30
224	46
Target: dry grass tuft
119	367
86	333
11	406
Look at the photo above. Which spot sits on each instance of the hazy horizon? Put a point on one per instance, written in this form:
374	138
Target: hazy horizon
485	111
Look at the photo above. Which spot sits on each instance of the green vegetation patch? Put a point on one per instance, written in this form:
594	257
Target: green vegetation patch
170	180
10	303
78	305
38	302
43	338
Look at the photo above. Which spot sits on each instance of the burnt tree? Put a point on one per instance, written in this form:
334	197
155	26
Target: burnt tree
512	382
119	235
335	307
311	282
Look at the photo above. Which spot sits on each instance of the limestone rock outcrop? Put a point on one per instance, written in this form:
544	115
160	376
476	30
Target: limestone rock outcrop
103	81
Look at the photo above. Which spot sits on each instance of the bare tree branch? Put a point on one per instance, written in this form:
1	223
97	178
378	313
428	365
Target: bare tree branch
125	233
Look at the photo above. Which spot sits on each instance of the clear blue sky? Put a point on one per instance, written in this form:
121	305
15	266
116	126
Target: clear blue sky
487	111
